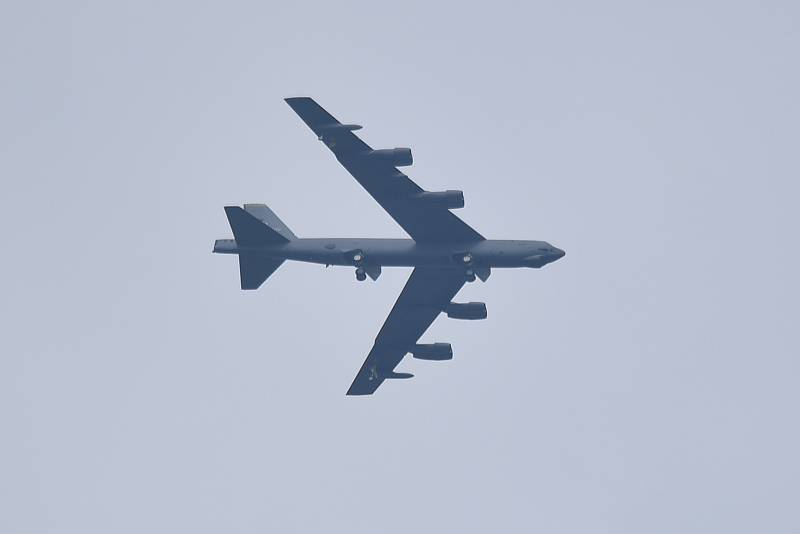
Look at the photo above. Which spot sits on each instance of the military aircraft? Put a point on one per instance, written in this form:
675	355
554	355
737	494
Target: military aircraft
443	250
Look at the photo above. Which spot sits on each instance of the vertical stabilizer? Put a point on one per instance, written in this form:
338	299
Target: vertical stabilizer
249	230
268	217
254	226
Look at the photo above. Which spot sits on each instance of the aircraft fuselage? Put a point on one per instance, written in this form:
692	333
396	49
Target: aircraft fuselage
403	252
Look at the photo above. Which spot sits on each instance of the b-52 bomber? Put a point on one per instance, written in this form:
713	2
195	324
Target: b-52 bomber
444	251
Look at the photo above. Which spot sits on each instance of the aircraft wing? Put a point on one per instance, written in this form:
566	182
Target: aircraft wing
421	218
427	292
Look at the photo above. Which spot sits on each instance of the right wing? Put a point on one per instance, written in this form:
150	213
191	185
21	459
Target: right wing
394	191
427	292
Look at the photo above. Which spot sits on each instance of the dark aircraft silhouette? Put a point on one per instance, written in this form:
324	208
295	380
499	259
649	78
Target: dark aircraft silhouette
444	251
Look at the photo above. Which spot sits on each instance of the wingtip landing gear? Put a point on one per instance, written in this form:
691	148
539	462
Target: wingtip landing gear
361	274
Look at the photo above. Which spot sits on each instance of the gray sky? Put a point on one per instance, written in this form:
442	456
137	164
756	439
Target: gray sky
645	383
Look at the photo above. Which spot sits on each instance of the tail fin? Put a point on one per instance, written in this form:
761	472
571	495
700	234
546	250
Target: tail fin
268	217
256	225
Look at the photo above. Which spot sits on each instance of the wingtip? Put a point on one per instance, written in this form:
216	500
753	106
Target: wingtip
352	393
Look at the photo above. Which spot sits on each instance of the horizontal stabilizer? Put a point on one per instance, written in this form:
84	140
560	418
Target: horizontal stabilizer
253	270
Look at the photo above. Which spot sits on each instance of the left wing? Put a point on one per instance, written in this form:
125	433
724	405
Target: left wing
426	294
424	215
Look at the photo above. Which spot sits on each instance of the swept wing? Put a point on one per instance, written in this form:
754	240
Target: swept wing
418	212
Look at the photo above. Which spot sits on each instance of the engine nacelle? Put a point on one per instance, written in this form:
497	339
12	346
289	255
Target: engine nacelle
434	352
469	310
397	157
450	199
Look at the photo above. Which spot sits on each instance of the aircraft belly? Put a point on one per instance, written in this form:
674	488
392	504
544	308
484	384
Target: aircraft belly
388	260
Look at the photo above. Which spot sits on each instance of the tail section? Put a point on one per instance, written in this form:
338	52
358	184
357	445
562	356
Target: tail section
268	217
255	225
253	270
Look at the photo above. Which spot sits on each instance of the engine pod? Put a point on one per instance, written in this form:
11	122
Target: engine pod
468	311
451	199
433	352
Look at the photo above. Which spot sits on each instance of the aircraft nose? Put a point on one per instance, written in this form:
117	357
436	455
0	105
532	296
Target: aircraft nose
557	254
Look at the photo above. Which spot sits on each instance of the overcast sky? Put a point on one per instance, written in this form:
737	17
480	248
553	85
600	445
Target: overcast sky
648	382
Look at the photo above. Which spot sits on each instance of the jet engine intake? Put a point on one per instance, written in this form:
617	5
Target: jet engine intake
398	157
433	352
469	310
450	199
